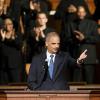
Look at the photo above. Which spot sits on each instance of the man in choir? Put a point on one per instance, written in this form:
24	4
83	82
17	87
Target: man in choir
79	34
66	10
36	38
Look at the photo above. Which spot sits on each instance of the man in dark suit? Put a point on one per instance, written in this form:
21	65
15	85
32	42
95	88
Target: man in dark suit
40	77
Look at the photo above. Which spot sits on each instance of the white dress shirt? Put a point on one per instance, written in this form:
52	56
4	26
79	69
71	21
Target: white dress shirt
48	57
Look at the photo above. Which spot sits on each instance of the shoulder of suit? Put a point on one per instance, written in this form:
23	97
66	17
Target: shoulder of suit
64	53
90	21
36	57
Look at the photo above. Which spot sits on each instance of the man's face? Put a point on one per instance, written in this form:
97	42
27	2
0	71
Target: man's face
53	44
42	19
81	13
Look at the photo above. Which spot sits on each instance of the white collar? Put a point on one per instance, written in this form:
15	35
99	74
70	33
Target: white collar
48	56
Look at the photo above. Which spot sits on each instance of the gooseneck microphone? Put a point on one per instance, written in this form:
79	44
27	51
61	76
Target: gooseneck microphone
45	68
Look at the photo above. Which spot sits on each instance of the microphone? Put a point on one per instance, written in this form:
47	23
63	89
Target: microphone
45	69
45	66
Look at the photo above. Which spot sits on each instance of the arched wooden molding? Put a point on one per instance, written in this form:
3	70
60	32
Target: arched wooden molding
91	6
54	3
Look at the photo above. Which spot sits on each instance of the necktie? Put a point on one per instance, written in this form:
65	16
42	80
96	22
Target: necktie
51	65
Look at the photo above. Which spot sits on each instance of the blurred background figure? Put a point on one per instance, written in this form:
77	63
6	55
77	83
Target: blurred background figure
11	63
36	38
96	15
66	10
30	8
82	34
3	9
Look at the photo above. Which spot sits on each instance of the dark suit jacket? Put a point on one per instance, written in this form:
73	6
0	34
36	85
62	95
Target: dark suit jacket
38	69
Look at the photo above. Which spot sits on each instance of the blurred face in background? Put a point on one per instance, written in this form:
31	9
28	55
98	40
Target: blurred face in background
81	12
8	24
41	19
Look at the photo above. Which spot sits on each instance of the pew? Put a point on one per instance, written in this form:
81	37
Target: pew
12	88
85	87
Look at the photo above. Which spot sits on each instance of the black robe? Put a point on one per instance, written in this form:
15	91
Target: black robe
89	29
62	9
75	47
11	60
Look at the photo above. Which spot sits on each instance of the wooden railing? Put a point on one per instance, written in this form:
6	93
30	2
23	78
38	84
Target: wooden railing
50	95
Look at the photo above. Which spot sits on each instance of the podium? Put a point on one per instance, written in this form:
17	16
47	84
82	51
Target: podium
50	95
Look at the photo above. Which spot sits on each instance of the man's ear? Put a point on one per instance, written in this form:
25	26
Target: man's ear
46	44
47	20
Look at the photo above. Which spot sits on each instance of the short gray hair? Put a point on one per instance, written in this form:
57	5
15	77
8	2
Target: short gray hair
51	34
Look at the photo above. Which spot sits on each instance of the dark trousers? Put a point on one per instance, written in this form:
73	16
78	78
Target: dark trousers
84	74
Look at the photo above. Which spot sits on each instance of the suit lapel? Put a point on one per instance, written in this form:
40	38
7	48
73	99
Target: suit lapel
57	65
